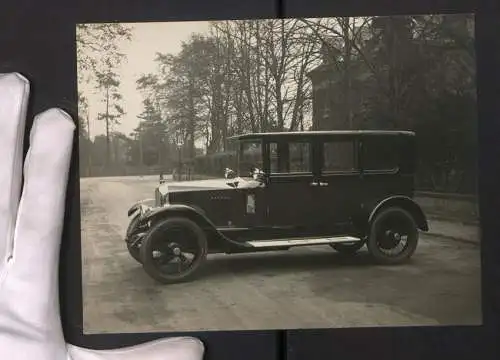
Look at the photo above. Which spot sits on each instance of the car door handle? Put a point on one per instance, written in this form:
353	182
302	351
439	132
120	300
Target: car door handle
316	183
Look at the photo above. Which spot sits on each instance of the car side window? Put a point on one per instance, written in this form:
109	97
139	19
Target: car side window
250	157
380	154
299	157
339	156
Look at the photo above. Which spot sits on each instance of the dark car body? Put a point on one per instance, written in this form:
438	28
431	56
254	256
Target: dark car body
331	188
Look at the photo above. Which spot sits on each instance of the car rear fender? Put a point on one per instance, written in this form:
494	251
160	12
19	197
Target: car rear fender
405	203
215	237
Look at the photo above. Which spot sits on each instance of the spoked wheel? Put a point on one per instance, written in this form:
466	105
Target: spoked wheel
393	236
348	248
133	249
173	250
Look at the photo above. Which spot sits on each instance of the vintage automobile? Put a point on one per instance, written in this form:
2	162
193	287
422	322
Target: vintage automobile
345	189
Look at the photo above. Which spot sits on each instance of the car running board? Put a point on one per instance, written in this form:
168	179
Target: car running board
302	241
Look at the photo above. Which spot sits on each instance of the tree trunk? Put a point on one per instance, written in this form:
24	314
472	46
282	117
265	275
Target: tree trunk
108	153
347	71
192	120
89	147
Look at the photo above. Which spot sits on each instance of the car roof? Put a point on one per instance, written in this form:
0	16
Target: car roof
320	133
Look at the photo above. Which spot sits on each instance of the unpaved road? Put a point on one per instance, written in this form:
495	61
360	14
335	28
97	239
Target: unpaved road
301	288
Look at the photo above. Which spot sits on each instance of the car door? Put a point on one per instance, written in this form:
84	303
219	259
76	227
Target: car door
289	191
339	189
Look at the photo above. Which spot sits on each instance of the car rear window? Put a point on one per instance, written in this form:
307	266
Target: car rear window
380	154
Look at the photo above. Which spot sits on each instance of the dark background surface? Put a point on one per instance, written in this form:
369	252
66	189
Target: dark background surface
37	39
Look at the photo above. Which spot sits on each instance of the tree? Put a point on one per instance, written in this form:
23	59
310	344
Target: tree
94	40
405	72
151	135
342	40
270	59
185	79
85	144
100	146
98	46
239	77
108	82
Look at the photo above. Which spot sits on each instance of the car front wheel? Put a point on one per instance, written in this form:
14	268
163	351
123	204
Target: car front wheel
174	250
393	236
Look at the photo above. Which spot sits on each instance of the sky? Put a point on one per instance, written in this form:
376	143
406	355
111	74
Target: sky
148	39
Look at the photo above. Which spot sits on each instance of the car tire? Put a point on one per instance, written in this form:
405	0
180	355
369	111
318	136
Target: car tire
158	231
348	248
133	251
388	225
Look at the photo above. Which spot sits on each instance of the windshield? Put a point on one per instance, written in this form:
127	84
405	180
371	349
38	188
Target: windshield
249	158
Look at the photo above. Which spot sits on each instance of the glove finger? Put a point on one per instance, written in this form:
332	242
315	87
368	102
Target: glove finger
14	93
40	216
183	348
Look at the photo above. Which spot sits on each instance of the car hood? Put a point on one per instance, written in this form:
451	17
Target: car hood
207	185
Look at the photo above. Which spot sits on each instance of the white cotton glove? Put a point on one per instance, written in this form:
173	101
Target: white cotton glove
30	234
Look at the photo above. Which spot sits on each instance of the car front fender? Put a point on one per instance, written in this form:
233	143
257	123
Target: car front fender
139	206
133	209
149	213
198	216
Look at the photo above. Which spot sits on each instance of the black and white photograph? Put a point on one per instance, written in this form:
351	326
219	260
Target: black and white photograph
279	173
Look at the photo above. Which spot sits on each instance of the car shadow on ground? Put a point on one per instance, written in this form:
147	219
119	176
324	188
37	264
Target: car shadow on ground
281	262
354	279
275	263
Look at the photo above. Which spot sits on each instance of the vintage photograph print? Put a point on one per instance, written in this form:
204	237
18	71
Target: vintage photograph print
279	174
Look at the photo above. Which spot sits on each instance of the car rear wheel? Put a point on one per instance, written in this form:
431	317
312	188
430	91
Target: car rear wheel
348	248
174	250
393	236
133	250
